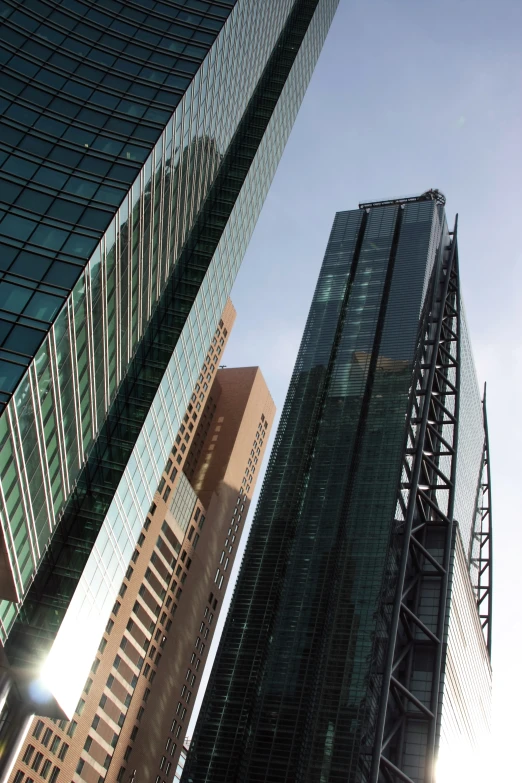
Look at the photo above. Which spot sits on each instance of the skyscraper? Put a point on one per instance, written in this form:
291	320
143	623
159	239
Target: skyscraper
137	144
358	640
132	717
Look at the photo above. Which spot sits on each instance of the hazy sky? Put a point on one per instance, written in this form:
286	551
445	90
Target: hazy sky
410	95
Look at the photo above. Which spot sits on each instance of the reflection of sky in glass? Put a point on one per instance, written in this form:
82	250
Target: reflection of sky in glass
77	639
97	332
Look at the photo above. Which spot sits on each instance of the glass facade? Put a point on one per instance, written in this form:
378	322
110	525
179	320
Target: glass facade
289	697
90	421
183	502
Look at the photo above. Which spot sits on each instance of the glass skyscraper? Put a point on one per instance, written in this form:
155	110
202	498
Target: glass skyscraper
137	142
358	640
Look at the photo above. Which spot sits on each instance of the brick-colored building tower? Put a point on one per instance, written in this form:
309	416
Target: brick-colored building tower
132	718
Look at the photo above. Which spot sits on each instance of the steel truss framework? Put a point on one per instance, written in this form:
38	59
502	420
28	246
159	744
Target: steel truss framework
408	716
481	540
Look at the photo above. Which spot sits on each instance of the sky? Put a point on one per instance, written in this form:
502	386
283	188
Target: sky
408	96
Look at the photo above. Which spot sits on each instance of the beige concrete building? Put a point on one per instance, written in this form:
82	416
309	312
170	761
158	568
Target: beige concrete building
131	720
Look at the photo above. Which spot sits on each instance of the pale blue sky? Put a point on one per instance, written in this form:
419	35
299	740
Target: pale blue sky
410	95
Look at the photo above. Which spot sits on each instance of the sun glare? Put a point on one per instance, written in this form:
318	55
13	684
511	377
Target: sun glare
458	763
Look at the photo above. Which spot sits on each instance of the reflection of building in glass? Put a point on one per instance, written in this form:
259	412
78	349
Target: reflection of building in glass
137	147
131	720
357	643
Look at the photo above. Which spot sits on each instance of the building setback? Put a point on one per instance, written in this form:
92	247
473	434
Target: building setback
137	144
357	645
131	719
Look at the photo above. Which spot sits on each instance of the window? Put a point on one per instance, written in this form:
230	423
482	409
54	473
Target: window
110	626
63	751
55	743
19	776
135	555
80	707
120	775
28	754
129	572
146	670
37	761
45	769
166	493
88	743
127	752
88	685
54	775
38	728
134	733
72	728
162	482
141	539
94	667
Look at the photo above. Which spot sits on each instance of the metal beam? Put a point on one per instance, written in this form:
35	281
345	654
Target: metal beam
427	534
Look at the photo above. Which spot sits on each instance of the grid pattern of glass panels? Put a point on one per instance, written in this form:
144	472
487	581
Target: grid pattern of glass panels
471	440
288	697
183	502
95	336
212	256
87	90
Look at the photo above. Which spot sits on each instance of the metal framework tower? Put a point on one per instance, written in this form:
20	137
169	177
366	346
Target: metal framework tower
425	531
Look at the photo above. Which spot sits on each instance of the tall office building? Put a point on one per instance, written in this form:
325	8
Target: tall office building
358	640
131	719
137	143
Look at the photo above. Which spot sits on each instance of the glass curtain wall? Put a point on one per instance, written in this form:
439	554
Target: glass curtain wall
226	138
288	696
